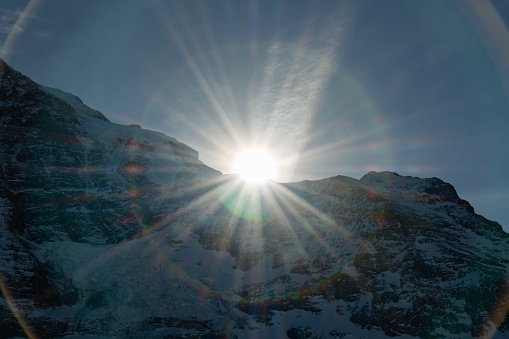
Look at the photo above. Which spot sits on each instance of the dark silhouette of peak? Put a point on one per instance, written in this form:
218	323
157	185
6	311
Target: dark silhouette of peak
19	90
117	231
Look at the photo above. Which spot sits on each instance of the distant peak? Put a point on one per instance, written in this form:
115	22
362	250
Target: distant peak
385	173
393	182
379	176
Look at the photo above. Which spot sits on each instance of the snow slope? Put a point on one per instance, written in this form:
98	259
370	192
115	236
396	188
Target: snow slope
116	231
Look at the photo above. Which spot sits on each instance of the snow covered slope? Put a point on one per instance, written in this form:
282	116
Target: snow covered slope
75	103
116	231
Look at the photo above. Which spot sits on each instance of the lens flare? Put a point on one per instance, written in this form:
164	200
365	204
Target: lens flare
255	166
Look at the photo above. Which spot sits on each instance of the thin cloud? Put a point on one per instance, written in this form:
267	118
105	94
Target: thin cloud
13	23
8	18
294	83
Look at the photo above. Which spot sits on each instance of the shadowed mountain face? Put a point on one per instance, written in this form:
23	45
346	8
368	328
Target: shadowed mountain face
110	230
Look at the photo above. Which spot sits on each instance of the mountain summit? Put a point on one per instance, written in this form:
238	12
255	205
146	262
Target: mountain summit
116	231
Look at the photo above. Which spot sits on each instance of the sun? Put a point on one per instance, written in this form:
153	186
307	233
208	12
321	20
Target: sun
255	165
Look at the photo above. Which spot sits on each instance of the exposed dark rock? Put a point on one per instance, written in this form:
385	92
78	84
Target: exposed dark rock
128	233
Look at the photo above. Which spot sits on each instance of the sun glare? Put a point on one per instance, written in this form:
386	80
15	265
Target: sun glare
255	166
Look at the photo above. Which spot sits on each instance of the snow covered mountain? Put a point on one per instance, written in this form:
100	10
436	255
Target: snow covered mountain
116	231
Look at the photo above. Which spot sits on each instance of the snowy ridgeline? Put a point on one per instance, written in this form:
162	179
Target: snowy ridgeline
116	231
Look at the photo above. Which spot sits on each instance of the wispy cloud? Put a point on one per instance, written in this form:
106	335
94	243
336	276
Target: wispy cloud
293	85
13	23
8	18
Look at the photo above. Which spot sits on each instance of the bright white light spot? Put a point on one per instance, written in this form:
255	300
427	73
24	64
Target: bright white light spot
255	166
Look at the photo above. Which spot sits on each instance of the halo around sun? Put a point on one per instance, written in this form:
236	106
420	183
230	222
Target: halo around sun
255	165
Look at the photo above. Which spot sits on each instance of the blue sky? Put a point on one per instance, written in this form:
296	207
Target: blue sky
331	87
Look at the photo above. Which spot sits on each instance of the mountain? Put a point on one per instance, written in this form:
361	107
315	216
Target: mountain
116	231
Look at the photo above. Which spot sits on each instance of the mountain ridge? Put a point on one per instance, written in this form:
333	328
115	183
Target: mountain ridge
110	230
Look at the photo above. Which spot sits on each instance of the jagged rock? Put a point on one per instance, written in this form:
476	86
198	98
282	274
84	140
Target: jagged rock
109	230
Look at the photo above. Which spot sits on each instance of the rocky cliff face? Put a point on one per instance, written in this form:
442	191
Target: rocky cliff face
110	230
